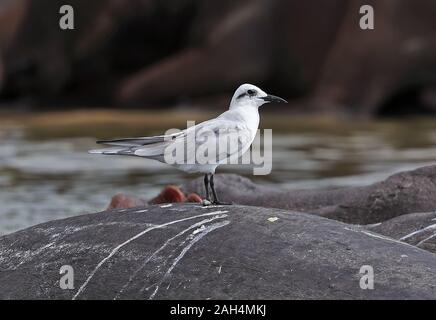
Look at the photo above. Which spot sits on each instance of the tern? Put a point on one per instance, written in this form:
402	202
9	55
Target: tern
237	126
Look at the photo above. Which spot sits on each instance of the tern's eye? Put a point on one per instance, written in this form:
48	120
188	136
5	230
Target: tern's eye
251	92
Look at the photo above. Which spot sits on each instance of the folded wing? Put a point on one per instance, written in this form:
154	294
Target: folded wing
141	141
215	140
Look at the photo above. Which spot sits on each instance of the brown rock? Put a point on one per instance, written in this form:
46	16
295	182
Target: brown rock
402	193
365	69
418	229
235	45
11	15
148	52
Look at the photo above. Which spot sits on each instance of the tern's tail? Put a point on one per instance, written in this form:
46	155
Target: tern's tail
112	151
153	151
148	147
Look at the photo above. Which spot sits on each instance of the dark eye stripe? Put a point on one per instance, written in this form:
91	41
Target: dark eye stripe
241	95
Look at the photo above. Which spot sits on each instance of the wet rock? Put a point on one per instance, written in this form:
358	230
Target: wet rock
186	251
418	229
402	193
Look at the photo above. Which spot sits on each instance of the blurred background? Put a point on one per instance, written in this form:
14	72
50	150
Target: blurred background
362	102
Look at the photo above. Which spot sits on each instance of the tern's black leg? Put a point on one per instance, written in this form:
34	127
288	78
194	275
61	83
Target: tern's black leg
206	186
215	197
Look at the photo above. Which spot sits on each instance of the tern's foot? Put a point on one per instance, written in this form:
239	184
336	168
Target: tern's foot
206	202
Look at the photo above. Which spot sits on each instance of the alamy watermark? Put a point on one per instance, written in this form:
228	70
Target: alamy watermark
367	20
66	22
67	280
367	279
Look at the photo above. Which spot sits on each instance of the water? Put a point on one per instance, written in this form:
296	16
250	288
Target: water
46	173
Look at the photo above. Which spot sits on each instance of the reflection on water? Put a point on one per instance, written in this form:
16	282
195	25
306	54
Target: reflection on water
49	178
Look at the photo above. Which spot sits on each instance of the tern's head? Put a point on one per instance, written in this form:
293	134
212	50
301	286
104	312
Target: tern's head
250	95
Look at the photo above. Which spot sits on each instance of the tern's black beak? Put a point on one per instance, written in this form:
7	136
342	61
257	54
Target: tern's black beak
271	98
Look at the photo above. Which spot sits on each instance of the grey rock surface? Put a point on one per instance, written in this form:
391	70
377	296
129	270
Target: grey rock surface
402	193
418	229
186	251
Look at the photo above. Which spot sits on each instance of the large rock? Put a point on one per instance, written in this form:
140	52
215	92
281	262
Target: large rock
382	71
402	193
221	53
227	252
149	52
11	14
1	74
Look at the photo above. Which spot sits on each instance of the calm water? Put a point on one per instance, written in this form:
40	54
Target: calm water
51	176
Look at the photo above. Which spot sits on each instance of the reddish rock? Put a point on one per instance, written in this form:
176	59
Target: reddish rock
169	194
193	197
122	201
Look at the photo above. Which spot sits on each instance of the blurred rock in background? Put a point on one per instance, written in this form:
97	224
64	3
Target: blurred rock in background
149	53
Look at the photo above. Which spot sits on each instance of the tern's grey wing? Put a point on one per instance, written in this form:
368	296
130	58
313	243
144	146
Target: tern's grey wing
233	141
213	141
141	141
